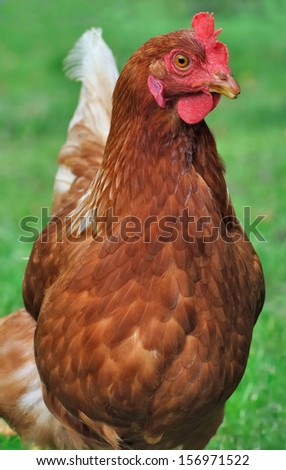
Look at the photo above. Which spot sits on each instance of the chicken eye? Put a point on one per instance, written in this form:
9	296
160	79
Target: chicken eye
182	61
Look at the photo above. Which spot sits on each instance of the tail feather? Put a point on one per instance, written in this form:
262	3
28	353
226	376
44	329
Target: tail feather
91	62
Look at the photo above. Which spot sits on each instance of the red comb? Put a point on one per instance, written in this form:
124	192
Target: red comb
204	31
204	27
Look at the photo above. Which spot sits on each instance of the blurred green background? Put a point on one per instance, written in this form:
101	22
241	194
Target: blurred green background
37	102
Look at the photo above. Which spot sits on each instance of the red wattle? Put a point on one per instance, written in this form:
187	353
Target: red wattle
193	108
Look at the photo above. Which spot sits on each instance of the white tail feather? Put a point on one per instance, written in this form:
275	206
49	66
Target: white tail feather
91	62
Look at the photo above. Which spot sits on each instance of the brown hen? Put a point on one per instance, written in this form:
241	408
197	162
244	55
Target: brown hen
146	289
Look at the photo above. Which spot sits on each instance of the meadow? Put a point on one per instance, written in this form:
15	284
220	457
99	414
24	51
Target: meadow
37	102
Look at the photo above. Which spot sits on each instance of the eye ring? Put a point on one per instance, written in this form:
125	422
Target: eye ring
181	61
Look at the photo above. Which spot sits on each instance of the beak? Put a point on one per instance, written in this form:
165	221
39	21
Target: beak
224	84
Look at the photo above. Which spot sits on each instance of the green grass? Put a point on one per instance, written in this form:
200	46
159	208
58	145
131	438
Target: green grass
36	103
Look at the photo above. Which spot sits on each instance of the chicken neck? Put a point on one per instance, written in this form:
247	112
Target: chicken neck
153	154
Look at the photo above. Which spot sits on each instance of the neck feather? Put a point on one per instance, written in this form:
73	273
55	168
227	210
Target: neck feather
148	154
